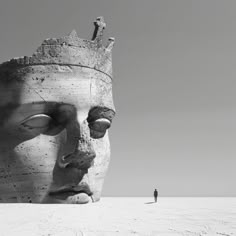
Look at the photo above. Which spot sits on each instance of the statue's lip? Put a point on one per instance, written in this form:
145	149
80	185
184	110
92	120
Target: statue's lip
72	190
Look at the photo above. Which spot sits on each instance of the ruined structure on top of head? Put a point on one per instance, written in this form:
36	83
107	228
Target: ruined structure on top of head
56	109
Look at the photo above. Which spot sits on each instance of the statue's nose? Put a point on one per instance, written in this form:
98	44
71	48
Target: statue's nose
85	151
81	153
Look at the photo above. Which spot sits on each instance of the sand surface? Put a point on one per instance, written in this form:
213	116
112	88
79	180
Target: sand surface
122	216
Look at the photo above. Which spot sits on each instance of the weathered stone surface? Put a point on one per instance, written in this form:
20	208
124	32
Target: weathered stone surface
56	108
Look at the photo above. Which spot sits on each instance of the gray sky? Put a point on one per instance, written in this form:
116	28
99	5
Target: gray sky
174	86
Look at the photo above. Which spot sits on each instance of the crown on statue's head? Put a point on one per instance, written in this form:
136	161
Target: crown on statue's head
73	51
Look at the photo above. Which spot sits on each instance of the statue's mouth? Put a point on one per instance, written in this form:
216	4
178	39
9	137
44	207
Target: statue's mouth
72	194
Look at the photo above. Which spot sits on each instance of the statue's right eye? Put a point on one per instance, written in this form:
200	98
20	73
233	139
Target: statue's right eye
98	127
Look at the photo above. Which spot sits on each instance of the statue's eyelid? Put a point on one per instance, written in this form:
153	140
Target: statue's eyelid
100	112
37	121
102	120
105	124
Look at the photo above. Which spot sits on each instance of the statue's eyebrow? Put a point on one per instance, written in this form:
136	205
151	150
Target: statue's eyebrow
100	112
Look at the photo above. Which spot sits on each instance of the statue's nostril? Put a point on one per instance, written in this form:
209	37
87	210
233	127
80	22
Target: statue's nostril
65	157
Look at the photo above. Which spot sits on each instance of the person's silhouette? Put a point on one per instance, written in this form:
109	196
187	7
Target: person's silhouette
155	195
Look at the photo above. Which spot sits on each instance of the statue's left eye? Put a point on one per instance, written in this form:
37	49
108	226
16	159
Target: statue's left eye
41	124
98	127
40	121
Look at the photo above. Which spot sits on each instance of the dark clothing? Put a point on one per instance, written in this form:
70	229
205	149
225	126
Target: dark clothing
155	195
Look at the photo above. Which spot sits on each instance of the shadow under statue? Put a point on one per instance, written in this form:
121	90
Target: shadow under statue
56	107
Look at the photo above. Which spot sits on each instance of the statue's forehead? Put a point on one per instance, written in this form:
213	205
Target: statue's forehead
75	85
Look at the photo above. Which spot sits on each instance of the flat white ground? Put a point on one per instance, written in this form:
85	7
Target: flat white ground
122	216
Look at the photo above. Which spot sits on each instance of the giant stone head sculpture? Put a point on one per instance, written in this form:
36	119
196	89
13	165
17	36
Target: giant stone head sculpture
55	111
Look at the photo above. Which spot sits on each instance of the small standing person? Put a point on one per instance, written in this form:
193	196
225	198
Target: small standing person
155	195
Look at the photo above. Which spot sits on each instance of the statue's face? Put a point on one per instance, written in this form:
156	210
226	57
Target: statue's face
54	145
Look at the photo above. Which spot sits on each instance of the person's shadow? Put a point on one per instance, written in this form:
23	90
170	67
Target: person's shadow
149	202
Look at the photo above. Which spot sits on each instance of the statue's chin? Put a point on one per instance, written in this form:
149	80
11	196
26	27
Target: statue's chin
68	198
80	198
